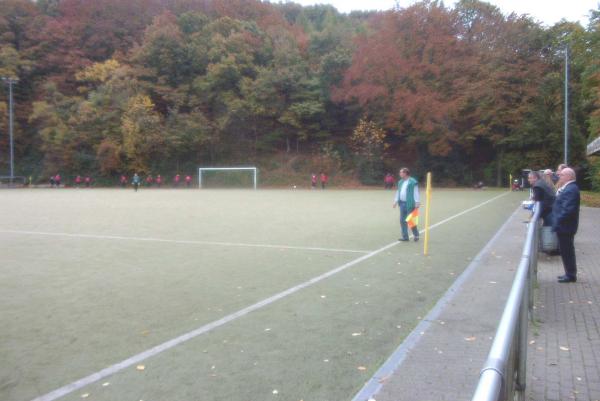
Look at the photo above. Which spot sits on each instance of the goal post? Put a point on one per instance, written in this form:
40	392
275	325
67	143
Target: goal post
251	170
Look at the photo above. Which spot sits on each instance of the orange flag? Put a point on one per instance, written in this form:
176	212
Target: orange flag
413	218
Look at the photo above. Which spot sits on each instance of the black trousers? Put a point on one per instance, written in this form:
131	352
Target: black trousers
566	243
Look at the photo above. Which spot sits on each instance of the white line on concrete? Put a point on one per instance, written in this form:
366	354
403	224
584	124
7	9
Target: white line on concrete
94	377
173	241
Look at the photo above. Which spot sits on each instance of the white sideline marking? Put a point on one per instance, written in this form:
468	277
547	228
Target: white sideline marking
174	241
94	377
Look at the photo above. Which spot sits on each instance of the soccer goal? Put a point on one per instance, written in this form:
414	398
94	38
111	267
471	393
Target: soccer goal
12	182
227	176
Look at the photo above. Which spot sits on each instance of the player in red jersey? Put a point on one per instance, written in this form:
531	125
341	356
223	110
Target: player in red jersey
324	180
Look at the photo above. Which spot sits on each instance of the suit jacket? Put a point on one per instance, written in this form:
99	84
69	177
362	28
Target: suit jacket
565	211
544	194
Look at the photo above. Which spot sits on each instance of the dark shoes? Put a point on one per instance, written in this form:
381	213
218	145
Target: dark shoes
403	239
567	279
416	239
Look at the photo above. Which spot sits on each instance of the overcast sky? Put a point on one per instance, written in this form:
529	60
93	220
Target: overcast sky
546	11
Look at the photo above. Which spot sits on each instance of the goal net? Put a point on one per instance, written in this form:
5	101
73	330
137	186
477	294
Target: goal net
12	182
227	177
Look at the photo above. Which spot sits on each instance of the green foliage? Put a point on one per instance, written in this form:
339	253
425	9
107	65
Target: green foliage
108	86
594	173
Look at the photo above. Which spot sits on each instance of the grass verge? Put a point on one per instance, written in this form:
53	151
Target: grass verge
590	199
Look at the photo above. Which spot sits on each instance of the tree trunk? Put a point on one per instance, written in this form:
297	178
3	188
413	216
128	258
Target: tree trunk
499	168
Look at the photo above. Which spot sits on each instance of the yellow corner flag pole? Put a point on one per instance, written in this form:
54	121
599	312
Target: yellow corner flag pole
510	182
427	207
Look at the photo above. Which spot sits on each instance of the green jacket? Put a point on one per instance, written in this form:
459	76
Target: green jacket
410	193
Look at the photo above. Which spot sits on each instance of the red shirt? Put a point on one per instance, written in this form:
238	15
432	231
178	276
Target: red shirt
324	178
188	178
158	180
313	179
123	179
88	179
177	178
78	180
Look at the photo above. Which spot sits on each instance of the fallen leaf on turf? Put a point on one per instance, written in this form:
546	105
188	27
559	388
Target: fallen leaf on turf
493	282
86	395
356	334
531	342
564	348
140	367
268	329
361	368
105	384
275	392
470	338
325	360
579	379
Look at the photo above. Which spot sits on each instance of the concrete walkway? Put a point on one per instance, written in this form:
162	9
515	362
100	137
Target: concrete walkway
442	358
564	350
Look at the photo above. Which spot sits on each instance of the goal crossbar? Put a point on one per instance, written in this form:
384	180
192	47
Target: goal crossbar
202	169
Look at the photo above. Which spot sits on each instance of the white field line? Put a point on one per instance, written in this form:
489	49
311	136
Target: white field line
94	377
173	241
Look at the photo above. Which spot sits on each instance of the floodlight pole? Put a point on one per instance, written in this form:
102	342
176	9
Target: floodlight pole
566	152
11	81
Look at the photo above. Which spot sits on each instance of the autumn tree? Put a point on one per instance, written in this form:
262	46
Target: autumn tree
368	142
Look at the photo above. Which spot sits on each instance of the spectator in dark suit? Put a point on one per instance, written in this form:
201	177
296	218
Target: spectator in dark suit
565	214
543	193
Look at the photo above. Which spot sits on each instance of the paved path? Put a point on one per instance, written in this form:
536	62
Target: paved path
564	350
442	359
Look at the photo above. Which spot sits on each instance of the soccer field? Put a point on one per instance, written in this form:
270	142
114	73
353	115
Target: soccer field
205	295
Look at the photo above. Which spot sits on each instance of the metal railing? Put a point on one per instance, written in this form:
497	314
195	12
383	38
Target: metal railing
503	375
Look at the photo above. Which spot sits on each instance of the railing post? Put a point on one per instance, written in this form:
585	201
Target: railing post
522	345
